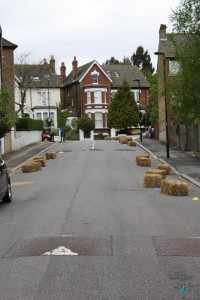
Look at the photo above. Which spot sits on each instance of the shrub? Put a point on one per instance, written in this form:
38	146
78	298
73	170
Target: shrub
28	124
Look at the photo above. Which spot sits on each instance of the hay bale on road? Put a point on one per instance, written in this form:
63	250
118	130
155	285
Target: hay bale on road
144	162
123	141
129	138
164	167
107	138
40	160
174	187
31	167
50	155
157	171
153	180
141	155
132	143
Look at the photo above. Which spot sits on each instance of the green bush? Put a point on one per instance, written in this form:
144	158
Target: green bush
28	124
86	124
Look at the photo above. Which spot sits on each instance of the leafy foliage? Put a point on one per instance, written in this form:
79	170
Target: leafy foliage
142	59
28	124
184	87
123	111
6	120
62	115
112	61
85	124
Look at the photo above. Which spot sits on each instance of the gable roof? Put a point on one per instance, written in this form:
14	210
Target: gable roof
7	44
82	72
128	72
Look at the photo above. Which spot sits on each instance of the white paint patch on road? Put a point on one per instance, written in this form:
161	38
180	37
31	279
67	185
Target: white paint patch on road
93	146
60	152
60	251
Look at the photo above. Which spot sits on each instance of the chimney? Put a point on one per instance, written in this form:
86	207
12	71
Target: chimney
52	64
74	67
45	61
63	72
162	32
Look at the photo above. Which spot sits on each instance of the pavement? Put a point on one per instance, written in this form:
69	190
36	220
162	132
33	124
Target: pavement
182	163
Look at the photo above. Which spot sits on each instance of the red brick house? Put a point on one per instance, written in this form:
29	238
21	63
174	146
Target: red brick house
88	89
7	72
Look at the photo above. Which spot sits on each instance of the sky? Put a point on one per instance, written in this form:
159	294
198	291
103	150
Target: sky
87	29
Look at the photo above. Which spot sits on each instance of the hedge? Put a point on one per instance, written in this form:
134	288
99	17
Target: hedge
28	124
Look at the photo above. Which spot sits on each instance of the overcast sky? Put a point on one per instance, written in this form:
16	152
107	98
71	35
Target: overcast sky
87	29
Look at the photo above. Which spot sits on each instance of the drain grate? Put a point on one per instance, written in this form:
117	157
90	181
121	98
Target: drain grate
177	246
57	245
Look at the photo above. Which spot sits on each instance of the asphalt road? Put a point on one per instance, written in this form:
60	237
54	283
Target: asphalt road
114	239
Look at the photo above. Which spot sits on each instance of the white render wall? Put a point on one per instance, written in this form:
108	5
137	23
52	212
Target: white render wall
24	138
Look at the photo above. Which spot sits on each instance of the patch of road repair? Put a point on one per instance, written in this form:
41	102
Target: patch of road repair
22	183
61	245
177	246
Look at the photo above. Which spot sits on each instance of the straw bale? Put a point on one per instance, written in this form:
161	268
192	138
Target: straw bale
164	167
174	187
124	141
50	155
157	171
141	155
144	162
40	160
152	180
132	143
129	138
31	167
115	138
107	138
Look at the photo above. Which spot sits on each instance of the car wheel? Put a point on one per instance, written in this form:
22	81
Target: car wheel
8	196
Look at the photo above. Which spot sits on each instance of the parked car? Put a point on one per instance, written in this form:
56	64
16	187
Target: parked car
45	137
5	184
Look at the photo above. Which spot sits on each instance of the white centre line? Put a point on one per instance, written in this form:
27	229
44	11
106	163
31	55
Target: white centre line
93	145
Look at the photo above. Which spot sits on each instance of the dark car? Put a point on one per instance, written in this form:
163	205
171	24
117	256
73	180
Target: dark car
5	184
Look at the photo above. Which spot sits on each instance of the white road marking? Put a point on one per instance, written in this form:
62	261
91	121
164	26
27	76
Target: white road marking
60	251
93	146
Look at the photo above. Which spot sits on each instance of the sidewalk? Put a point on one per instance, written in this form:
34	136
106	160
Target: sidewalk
16	158
181	162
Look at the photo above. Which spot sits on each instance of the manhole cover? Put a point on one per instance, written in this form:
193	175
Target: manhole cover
177	246
61	245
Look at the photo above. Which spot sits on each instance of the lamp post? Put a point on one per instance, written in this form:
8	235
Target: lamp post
138	80
165	99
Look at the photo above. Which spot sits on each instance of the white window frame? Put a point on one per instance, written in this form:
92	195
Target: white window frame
43	98
98	120
88	97
98	97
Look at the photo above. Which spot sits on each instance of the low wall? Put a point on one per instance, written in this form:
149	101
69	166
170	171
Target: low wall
24	138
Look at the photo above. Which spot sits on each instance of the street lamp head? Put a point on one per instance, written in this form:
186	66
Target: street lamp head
160	52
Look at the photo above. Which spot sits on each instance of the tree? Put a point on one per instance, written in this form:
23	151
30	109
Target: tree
25	74
62	116
6	120
142	59
85	124
113	61
123	111
184	86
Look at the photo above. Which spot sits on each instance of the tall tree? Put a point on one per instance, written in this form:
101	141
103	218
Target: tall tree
142	59
184	88
62	115
123	111
7	120
25	74
112	61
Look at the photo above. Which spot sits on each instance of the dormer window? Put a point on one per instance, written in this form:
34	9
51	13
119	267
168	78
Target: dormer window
95	77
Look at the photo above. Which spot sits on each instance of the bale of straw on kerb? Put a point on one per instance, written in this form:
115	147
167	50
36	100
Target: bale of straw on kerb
157	171
39	159
50	155
129	138
141	155
174	187
152	180
115	138
164	167
144	162
132	143
31	167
